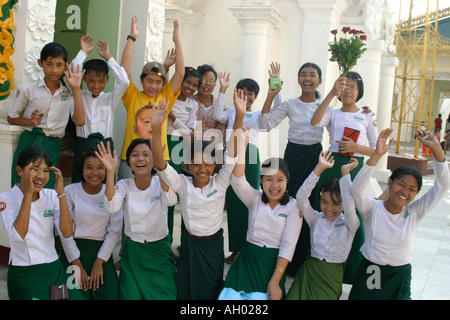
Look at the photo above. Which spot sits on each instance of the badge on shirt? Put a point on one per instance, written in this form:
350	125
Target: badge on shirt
154	198
64	97
337	225
48	213
212	193
188	109
2	206
406	215
358	119
101	205
283	215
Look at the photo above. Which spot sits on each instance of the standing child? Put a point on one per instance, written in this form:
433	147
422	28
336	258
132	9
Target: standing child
30	214
201	262
332	232
237	211
96	232
274	225
99	106
390	224
43	107
147	266
154	89
350	129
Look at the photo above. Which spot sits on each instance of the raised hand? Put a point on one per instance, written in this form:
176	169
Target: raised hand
160	113
383	145
108	158
176	27
224	80
134	32
59	180
275	70
326	160
346	168
431	142
240	101
87	44
170	59
103	49
74	77
339	86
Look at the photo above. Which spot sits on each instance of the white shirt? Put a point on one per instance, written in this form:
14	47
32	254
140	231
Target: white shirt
277	228
91	221
201	208
36	96
300	113
186	115
336	121
38	246
389	237
145	211
330	240
99	110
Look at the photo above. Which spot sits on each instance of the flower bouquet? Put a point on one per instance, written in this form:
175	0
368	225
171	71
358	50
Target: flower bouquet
348	49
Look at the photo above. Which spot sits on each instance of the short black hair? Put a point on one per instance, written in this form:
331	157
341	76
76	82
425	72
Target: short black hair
53	50
32	154
133	145
332	186
355	76
89	153
250	84
204	69
202	145
97	66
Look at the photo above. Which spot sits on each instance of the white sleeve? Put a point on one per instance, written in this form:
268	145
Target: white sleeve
351	218
121	82
302	198
273	118
113	233
372	132
116	202
19	103
291	233
171	177
220	115
362	200
245	192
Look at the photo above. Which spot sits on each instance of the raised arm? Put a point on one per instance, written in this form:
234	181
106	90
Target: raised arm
73	78
178	76
128	50
219	114
109	160
338	87
159	115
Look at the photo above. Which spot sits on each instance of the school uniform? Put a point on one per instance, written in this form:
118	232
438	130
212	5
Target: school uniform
47	134
336	121
301	153
201	262
33	261
98	113
272	233
96	233
389	237
321	276
147	264
186	115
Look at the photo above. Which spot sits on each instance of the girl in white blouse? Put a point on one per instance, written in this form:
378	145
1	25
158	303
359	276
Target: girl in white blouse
332	232
30	214
273	230
385	272
147	266
96	232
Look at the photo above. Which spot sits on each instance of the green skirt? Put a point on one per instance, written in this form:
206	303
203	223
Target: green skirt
81	145
377	282
200	267
33	282
317	280
89	249
147	271
253	269
37	138
355	256
237	212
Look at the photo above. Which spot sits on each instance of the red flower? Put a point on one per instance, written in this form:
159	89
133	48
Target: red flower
346	29
334	31
363	37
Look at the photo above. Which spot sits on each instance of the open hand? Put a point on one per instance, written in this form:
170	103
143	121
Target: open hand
87	44
240	101
160	113
383	145
108	158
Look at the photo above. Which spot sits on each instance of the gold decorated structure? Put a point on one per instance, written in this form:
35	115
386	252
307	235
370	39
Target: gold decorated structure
6	47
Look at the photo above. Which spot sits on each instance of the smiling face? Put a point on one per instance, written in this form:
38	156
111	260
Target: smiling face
141	160
350	93
402	191
94	171
40	174
143	126
189	86
309	80
152	85
208	83
331	208
202	168
274	184
95	82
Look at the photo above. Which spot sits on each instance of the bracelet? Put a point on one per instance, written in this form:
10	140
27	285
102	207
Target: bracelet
279	269
61	195
132	38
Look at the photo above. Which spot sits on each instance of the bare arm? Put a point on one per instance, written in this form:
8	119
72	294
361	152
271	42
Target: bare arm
178	76
128	50
320	111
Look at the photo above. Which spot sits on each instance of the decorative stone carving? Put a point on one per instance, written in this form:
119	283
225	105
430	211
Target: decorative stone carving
156	21
41	21
155	25
31	65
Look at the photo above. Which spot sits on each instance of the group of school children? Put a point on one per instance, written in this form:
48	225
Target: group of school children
306	214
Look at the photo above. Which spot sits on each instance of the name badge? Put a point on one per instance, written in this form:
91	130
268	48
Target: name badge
211	194
48	213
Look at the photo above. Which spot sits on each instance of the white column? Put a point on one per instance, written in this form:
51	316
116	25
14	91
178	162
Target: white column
386	91
257	21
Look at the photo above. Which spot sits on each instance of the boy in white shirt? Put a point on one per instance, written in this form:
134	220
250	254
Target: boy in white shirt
98	106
